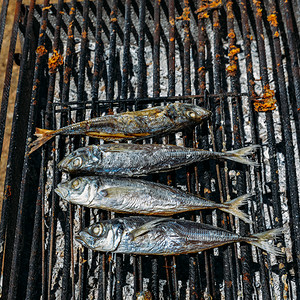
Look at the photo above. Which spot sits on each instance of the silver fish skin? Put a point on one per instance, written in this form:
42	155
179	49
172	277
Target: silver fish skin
157	236
154	121
132	195
135	159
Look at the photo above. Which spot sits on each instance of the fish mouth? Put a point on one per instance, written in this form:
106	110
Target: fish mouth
203	113
79	239
62	165
83	238
62	192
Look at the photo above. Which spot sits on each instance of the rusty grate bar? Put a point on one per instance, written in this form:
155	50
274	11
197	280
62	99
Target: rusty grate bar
3	15
9	65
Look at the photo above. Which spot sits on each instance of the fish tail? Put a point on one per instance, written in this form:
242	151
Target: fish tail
233	207
239	155
146	227
262	239
43	135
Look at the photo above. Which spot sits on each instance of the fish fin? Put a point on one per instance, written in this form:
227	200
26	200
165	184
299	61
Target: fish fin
261	240
233	207
146	227
43	135
239	155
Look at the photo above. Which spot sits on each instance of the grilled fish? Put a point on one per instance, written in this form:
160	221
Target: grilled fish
141	124
134	160
157	236
131	195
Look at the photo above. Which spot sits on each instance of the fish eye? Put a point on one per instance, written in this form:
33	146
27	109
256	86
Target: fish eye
97	229
191	114
76	184
77	162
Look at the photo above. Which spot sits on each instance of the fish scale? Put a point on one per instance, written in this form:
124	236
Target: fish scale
141	159
133	195
163	236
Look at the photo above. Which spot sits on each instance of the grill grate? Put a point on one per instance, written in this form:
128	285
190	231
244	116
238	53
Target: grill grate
127	55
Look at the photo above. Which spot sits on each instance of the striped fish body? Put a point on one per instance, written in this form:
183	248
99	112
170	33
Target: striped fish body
158	236
135	159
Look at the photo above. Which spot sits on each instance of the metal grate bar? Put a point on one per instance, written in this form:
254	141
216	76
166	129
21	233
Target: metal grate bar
9	65
292	187
3	15
15	268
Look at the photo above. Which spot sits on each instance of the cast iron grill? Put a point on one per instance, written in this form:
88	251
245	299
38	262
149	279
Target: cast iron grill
127	55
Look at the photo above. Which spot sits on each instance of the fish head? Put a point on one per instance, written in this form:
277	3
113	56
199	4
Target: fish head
182	112
80	190
82	159
104	236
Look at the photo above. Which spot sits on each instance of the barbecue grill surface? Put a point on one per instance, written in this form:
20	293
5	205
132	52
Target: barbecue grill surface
85	59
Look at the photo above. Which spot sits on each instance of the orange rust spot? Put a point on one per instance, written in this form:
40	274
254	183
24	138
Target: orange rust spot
276	34
207	191
257	4
203	15
234	51
231	70
246	277
102	88
249	68
110	112
47	7
228	283
55	61
210	5
171	21
41	50
272	18
113	20
217	24
231	34
217	55
62	12
72	10
202	85
84	34
259	12
172	39
201	69
229	10
70	25
41	34
267	101
66	74
8	191
185	14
